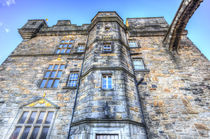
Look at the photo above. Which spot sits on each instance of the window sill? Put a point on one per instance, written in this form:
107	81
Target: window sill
142	70
66	87
103	89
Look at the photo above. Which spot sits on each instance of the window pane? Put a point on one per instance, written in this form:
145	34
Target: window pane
56	82
55	67
25	132
53	74
49	117
70	45
59	74
62	67
40	118
132	44
104	82
23	117
62	51
44	132
16	133
68	51
60	46
109	82
71	41
47	74
62	41
50	66
65	45
43	83
34	133
32	117
49	83
58	51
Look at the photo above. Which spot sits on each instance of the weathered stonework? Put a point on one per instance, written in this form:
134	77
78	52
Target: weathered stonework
169	98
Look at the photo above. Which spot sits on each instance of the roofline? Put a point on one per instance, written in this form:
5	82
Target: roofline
107	12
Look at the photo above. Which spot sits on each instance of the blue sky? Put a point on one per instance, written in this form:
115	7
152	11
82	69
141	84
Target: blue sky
15	13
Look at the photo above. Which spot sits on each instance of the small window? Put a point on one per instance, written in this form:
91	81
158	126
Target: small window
33	124
107	81
73	78
133	44
81	48
52	76
138	64
107	48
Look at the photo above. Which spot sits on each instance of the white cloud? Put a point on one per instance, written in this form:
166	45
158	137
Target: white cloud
7	30
7	2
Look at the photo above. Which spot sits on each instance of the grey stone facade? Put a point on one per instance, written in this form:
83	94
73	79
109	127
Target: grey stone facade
169	98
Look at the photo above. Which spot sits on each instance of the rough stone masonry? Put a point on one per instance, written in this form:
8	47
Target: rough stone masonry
106	80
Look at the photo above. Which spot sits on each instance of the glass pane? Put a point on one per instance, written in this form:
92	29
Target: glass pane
62	51
55	67
53	74
47	74
68	51
43	83
58	51
59	74
62	41
109	82
34	133
56	82
23	117
50	66
32	117
65	45
40	118
132	44
71	40
49	117
25	132
49	83
104	82
60	46
70	45
44	132
62	67
16	133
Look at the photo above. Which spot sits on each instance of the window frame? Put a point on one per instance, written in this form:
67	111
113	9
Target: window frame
52	78
133	41
142	61
68	81
81	45
61	47
34	124
107	81
110	50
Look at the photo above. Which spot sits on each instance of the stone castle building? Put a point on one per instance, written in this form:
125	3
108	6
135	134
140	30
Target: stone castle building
106	80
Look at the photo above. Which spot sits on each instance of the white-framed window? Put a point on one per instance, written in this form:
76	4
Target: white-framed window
132	44
107	81
52	76
138	64
73	78
80	48
34	123
107	48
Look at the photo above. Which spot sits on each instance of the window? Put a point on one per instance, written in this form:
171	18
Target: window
138	64
132	44
52	76
73	78
107	136
65	47
33	124
81	48
107	48
106	81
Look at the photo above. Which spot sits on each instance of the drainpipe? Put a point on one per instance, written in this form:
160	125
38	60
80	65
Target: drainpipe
77	91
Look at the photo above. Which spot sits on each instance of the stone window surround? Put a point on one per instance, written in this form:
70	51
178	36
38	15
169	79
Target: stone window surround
31	109
139	58
107	73
134	41
107	44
